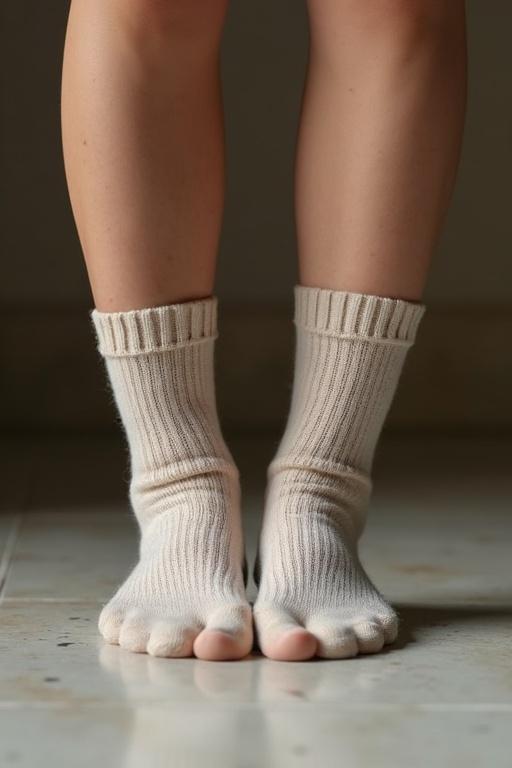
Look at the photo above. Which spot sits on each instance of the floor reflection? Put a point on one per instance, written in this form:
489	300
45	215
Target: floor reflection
174	722
253	681
260	711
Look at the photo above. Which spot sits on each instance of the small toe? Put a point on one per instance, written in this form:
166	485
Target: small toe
110	622
134	634
281	637
227	636
389	625
172	639
335	639
370	636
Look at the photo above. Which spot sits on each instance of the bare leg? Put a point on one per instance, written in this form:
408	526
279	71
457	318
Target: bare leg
379	141
143	145
378	148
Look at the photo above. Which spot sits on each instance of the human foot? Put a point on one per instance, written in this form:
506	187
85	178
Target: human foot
314	596
186	595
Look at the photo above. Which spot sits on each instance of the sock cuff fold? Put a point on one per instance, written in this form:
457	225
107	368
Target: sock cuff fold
346	314
156	329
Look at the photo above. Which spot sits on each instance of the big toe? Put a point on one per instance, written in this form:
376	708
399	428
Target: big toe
227	635
281	637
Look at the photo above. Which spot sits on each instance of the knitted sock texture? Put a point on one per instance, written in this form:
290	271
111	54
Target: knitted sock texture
184	485
350	350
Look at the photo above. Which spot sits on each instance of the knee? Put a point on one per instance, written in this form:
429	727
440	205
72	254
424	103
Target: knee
184	21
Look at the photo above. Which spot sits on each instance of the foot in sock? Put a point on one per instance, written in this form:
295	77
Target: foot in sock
186	595
314	597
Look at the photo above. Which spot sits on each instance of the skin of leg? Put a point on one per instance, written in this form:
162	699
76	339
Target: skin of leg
378	148
144	147
379	141
144	155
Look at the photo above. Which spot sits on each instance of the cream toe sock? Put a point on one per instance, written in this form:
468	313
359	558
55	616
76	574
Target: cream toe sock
184	486
349	356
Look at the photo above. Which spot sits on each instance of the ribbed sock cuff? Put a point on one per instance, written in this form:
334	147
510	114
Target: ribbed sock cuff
157	329
356	315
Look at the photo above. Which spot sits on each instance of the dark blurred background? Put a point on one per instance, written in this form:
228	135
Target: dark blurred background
458	379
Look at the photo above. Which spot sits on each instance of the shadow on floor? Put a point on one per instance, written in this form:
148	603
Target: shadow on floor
446	618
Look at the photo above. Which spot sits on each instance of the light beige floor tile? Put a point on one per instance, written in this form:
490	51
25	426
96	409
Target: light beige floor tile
443	699
440	522
71	556
51	652
441	551
438	543
154	737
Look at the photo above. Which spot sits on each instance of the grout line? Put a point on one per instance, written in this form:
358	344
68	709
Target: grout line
318	706
9	548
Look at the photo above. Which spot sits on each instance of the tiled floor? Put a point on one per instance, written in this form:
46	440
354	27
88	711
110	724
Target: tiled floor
438	543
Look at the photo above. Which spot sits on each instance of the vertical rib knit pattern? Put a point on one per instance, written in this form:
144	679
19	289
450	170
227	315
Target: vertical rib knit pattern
349	355
184	484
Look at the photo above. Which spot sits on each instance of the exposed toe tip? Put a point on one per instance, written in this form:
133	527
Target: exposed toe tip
216	645
296	644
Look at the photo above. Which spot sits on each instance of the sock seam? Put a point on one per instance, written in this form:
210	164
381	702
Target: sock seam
157	350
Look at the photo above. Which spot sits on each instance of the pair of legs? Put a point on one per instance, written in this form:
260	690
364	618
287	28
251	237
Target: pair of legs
143	138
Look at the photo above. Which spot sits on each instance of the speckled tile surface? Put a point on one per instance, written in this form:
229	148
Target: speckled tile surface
438	543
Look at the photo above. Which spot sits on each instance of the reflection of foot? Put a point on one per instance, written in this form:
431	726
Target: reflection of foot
169	703
314	596
188	681
186	595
